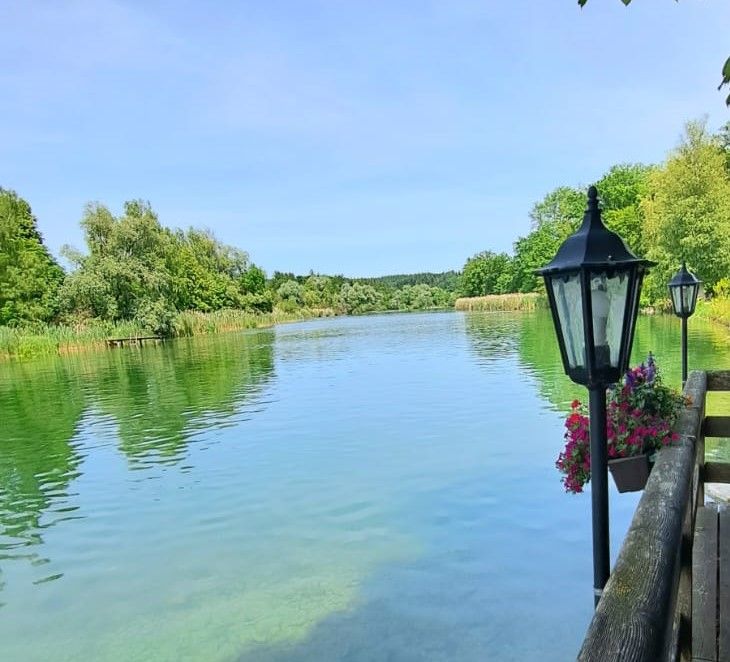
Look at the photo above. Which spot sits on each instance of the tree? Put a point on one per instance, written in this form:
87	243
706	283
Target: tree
358	298
29	276
207	274
291	295
555	217
687	211
724	139
317	292
253	281
621	190
486	273
564	205
124	276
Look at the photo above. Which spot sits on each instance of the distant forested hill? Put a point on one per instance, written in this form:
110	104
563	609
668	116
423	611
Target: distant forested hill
446	280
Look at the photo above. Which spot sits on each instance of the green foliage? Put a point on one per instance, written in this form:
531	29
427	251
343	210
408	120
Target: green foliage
135	269
622	189
447	280
29	276
320	291
486	273
138	273
555	217
358	298
291	295
564	206
206	274
723	136
253	281
125	266
687	210
678	211
420	297
535	251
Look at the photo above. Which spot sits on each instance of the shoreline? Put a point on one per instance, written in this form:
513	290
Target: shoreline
22	344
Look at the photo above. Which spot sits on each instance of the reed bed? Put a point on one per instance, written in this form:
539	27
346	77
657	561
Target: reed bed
502	302
39	340
717	309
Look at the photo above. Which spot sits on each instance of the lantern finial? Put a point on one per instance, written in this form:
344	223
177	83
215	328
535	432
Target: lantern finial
592	198
593	212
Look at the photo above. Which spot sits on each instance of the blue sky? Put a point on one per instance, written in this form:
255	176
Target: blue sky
357	137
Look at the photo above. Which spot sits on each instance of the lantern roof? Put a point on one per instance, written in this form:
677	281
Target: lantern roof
684	278
592	245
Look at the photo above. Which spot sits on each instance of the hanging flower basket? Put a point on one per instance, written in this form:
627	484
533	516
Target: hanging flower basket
630	473
641	413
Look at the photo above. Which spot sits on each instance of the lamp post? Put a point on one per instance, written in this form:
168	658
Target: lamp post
593	285
683	289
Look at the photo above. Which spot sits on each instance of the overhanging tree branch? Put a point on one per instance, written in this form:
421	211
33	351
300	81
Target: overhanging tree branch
725	68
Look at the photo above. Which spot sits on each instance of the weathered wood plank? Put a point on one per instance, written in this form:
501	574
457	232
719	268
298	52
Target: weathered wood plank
717	472
717	426
718	380
636	619
704	588
120	342
723	603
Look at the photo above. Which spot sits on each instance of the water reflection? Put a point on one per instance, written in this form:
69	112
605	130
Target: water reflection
379	485
534	342
149	401
160	398
40	414
531	339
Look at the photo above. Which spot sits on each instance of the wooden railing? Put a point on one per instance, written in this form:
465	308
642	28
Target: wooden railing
645	613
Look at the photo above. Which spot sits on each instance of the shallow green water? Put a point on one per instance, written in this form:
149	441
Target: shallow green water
348	489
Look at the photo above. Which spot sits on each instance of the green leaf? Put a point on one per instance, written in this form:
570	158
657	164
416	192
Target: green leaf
725	73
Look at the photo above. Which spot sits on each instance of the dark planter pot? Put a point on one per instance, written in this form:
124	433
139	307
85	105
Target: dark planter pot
630	473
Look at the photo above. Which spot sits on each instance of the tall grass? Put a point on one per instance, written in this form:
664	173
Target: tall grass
503	302
48	339
716	309
194	323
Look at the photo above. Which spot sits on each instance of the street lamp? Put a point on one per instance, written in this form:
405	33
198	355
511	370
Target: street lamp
683	289
593	285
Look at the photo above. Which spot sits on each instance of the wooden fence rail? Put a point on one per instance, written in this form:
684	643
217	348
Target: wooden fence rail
645	613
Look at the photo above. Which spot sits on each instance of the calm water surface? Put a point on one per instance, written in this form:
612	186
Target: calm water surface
373	488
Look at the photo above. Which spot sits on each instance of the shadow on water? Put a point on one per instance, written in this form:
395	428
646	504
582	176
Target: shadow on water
156	398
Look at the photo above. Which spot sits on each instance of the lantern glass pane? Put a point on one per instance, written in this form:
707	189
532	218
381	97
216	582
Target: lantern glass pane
609	297
688	292
677	300
569	304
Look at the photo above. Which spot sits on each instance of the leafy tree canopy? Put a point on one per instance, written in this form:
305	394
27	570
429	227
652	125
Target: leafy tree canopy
687	211
29	276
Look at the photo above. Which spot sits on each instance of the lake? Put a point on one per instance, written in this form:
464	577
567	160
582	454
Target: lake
357	488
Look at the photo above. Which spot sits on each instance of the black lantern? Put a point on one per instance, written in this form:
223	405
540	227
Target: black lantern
683	289
593	285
